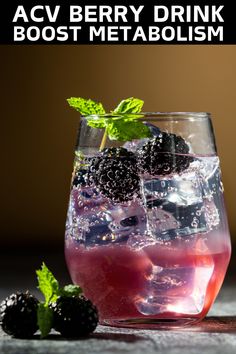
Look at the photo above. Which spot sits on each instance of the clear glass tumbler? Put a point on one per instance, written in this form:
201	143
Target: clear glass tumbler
147	235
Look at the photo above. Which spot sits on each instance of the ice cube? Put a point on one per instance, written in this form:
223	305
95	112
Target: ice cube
90	228
178	289
86	198
183	190
134	144
162	223
86	220
137	143
126	219
207	166
176	205
93	220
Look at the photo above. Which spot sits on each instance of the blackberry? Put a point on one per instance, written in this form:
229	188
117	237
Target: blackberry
79	179
114	172
74	316
164	154
19	315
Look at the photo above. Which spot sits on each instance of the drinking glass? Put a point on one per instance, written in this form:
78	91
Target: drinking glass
147	236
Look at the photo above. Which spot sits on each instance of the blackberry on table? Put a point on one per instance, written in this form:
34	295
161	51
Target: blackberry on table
164	154
74	316
114	172
19	315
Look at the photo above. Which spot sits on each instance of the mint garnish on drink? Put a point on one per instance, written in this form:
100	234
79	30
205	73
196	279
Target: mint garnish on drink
130	105
86	107
127	130
89	107
122	128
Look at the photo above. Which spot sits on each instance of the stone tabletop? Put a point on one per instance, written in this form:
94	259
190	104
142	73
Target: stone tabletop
216	334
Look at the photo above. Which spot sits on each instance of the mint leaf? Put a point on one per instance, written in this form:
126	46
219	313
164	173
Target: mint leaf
71	290
86	107
127	130
48	284
79	155
128	127
44	319
129	105
97	122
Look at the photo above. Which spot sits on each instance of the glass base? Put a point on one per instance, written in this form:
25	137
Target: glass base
160	323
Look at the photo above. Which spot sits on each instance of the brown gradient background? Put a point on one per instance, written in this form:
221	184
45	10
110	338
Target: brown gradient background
39	129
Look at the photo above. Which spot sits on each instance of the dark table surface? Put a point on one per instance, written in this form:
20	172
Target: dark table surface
216	334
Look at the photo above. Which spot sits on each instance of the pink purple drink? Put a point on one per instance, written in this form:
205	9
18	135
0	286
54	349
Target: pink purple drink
157	259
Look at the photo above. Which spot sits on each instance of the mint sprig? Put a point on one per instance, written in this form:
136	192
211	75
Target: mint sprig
49	287
125	128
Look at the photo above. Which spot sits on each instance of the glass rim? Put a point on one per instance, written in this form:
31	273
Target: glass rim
152	115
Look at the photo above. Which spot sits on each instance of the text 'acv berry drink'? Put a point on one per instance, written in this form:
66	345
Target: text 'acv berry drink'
146	235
